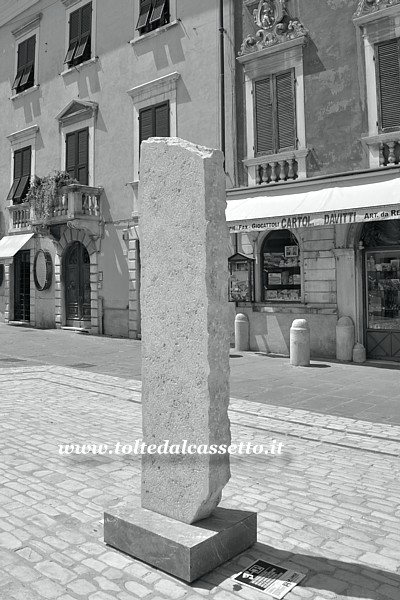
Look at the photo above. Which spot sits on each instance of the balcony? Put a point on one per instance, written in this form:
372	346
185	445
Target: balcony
277	168
19	218
383	149
76	203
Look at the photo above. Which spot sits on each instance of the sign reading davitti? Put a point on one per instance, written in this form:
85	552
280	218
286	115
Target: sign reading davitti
315	220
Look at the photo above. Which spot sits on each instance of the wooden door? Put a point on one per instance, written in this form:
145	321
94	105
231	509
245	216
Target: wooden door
22	286
77	286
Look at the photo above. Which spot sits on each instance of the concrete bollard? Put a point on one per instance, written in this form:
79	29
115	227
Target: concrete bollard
300	343
344	339
359	353
242	332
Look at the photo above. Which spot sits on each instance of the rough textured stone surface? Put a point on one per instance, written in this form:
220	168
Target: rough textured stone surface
185	360
186	551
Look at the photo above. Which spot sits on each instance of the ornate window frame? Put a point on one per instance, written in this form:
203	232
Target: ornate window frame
154	92
79	114
21	34
376	21
276	47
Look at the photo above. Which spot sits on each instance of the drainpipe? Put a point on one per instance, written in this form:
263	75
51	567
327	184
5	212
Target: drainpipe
222	74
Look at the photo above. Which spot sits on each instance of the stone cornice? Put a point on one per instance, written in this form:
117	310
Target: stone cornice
68	3
367	7
23	134
11	9
77	110
161	85
271	50
275	27
32	24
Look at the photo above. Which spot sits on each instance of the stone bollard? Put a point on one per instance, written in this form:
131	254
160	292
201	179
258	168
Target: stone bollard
300	343
344	339
242	332
359	353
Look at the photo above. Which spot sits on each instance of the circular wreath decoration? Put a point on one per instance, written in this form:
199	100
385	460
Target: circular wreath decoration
42	270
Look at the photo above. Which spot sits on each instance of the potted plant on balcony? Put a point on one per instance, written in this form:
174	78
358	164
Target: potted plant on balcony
44	195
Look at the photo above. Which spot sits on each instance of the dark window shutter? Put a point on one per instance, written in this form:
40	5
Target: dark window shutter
22	174
26	161
17	79
157	12
162	120
388	71
146	124
86	20
263	111
145	8
82	48
22	54
17	164
74	26
82	157
70	162
30	49
285	110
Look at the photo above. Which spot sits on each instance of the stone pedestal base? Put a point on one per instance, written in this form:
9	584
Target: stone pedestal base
185	551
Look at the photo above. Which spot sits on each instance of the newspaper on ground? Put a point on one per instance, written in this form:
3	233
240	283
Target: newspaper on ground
269	578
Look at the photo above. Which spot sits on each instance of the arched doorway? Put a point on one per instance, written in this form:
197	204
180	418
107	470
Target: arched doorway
77	286
381	240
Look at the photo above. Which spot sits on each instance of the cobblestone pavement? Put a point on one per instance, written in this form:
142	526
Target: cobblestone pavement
327	506
367	392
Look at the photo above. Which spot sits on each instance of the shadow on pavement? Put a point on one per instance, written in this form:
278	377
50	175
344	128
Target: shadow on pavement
354	580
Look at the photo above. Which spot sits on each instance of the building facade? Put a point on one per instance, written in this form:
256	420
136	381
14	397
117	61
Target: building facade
317	206
82	84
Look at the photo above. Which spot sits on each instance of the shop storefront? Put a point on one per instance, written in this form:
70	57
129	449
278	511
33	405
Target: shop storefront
381	242
321	254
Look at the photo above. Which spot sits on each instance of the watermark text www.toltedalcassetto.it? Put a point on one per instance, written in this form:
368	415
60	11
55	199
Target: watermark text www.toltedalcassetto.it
140	447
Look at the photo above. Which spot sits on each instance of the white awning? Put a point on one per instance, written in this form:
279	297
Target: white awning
11	244
328	206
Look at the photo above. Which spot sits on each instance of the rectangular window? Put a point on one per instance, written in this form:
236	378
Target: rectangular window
153	14
154	121
25	77
275	113
387	61
22	175
80	29
77	155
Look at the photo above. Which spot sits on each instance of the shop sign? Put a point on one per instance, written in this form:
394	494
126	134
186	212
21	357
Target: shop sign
269	578
315	220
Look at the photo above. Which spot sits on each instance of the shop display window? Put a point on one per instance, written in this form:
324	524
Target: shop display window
281	274
383	289
241	278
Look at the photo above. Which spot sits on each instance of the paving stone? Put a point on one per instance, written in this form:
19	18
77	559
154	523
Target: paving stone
115	559
106	585
23	573
55	571
138	589
170	588
81	587
47	588
101	596
9	541
279	488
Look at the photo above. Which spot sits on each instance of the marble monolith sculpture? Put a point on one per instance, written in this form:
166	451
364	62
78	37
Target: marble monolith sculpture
179	527
185	326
